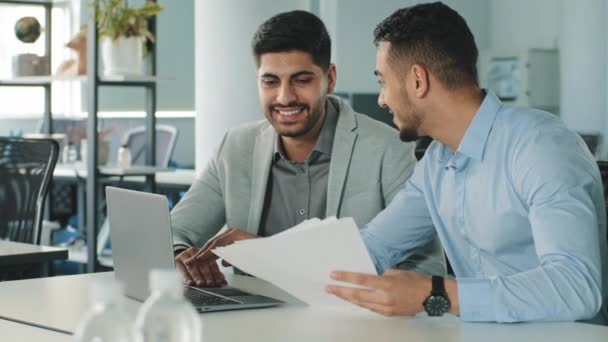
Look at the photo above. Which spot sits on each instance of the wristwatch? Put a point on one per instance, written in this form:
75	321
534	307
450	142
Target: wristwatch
437	304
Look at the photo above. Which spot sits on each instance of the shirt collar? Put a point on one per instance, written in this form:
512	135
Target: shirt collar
325	141
476	136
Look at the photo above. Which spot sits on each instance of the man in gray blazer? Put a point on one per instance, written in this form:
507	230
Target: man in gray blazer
313	156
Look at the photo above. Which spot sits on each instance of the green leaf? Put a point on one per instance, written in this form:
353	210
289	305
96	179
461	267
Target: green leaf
116	19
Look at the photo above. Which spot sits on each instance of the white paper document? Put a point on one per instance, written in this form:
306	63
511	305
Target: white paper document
300	260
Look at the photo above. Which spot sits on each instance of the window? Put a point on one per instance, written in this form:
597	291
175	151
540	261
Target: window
29	101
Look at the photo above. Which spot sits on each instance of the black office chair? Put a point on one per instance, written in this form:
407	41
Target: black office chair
603	166
421	145
26	168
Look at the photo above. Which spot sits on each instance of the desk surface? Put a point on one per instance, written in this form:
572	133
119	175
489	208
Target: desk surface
59	302
164	176
13	253
12	331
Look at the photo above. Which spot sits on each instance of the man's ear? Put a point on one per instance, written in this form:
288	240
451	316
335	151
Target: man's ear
331	78
421	80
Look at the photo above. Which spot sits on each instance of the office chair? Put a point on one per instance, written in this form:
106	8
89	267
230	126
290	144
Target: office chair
421	145
134	139
603	166
26	168
166	136
592	140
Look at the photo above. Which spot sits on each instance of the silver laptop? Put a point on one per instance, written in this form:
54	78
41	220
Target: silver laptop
140	230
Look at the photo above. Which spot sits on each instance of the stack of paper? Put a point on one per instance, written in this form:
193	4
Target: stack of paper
300	260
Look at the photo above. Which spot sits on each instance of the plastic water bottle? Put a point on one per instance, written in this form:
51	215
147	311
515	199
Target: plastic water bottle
124	157
166	316
107	320
69	153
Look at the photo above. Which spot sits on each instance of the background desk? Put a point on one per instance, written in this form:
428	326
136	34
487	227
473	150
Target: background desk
14	253
165	179
178	178
59	302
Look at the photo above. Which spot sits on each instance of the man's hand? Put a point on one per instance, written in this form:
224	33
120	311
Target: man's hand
199	274
201	265
395	293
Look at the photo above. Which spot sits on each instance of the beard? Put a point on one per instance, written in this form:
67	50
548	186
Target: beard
314	114
408	134
409	131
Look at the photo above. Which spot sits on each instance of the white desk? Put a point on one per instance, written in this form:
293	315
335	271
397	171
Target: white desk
168	179
12	331
164	176
15	254
59	303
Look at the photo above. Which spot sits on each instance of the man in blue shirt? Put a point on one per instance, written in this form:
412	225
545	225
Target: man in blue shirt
514	196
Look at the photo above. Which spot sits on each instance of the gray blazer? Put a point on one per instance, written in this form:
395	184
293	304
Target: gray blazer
369	164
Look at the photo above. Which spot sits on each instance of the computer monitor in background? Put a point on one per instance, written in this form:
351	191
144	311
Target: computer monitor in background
367	103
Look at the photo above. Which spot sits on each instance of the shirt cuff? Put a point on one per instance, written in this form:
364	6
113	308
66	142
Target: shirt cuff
475	300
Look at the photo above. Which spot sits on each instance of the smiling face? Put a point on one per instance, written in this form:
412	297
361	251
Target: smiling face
292	91
394	94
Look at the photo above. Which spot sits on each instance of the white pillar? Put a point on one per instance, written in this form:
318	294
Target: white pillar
583	72
604	151
225	85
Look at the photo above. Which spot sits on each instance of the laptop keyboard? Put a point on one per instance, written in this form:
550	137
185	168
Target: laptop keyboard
201	298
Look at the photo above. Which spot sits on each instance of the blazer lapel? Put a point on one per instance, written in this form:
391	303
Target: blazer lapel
344	142
262	159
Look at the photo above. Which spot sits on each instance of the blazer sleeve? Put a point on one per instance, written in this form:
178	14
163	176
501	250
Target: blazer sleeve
202	212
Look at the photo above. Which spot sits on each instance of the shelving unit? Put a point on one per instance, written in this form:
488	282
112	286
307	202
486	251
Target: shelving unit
46	84
93	83
93	188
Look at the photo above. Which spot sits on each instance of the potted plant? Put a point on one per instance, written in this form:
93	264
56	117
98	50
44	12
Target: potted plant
123	31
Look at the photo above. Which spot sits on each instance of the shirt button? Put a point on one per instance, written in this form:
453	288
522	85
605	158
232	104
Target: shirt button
302	212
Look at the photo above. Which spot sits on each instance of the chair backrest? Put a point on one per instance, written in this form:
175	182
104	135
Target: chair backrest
135	140
603	166
593	141
26	168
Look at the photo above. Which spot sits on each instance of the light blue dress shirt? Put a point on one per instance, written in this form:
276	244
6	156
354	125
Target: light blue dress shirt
519	209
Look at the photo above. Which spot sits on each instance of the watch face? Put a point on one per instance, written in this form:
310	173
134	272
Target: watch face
437	305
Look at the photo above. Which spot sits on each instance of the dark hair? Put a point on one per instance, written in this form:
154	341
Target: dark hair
435	36
294	31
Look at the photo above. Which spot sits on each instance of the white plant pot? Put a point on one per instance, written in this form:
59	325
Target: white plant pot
122	57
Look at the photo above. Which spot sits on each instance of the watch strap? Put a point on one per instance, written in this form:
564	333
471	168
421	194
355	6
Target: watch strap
438	286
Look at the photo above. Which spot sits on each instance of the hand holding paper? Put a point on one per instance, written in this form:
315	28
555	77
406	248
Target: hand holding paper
301	259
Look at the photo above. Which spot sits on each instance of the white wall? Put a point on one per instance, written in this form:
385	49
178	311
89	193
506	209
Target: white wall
175	62
226	93
583	65
524	23
578	30
351	24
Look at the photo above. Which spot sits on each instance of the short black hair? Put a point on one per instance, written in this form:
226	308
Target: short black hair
294	31
435	36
